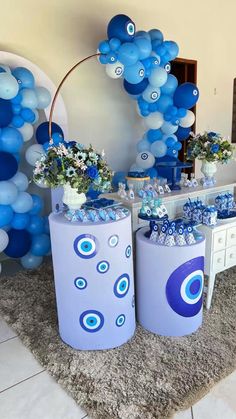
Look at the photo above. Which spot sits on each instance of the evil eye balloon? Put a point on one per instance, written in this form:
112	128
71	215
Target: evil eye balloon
121	286
113	241
145	160
134	73
120	320
151	94
184	288
188	120
115	71
91	320
86	246
103	267
186	95
80	283
128	251
121	27
158	77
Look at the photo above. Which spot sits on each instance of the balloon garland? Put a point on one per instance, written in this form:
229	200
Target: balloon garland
143	59
24	232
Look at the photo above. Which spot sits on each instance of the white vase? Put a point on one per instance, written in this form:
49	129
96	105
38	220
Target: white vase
208	168
72	198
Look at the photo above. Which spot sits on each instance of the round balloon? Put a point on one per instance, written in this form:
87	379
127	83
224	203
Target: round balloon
8	165
24	77
144	47
151	94
128	54
183	133
30	261
154	120
4	240
37	205
158	149
135	89
164	103
36	225
42	132
156	34
19	243
11	140
23	203
40	245
121	27
134	73
154	135
6	215
170	85
8	86
43	97
27	131
115	71
29	98
20	221
21	181
8	192
186	95
158	77
6	113
143	145
188	120
28	115
33	153
168	128
145	160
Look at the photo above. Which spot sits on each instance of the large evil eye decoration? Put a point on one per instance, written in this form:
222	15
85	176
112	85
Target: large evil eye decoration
86	246
121	286
91	320
113	241
120	320
184	288
103	266
128	251
80	283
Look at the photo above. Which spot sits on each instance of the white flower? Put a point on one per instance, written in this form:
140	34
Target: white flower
70	171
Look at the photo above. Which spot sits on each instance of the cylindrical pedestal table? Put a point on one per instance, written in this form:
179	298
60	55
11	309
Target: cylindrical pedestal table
169	286
93	274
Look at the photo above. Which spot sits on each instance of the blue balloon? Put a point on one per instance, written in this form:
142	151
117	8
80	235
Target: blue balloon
36	225
156	34
103	59
104	47
181	112
186	95
17	99
28	115
118	177
158	148
154	135
114	44
21	181
152	172
144	47
177	146
24	77
20	221
170	86
37	205
30	261
8	192
172	49
128	54
163	103
46	222
6	215
6	113
136	89
19	243
16	109
42	133
134	73
170	141
142	34
40	245
182	133
8	165
11	140
121	27
23	203
17	121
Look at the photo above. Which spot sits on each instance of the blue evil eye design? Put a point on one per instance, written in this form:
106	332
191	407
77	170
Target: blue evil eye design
91	320
128	251
155	227
130	28
189	229
121	286
141	72
120	320
167	67
133	301
103	266
86	246
80	283
144	156
195	92
184	288
113	240
119	70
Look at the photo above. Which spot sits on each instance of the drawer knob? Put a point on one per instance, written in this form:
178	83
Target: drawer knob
233	236
231	255
219	260
220	240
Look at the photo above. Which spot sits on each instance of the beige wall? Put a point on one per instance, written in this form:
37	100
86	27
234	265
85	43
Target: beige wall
57	33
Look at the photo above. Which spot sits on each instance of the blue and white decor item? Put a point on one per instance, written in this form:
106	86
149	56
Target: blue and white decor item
225	205
143	60
93	274
20	211
174	233
199	213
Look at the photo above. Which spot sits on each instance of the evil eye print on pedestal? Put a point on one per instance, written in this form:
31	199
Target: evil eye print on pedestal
121	286
86	246
103	266
91	320
184	288
80	283
120	320
128	251
113	241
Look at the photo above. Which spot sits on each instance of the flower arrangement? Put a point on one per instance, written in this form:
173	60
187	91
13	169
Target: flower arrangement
71	163
209	146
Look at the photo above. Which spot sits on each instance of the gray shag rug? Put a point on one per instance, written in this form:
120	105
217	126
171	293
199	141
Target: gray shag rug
149	377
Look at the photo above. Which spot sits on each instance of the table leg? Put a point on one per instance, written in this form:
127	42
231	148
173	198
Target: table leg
210	288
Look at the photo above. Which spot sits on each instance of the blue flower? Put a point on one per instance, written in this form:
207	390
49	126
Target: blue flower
212	134
215	148
92	172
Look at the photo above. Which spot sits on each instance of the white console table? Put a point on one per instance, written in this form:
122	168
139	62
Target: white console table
220	240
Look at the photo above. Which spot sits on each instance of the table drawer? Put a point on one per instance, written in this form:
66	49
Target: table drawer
231	237
219	240
230	257
218	261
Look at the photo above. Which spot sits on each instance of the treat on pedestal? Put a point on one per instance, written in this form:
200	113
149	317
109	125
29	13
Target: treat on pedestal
121	190
170	239
189	237
179	238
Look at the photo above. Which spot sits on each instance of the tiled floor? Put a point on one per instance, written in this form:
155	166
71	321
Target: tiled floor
28	392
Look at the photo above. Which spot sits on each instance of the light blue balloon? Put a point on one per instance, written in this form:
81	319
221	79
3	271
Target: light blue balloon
114	44
151	94
23	203
104	47
8	86
40	245
143	145
177	146
8	192
144	47
172	48
30	261
158	149
158	77
21	181
128	54
135	73
170	86
163	103
170	140
24	77
11	140
142	34
29	99
168	128
43	97
156	34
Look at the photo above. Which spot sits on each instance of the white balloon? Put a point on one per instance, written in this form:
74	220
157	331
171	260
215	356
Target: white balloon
145	160
151	94
4	240
159	148
27	131
43	96
29	98
115	70
168	128
33	153
158	77
154	120
21	181
188	120
8	86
